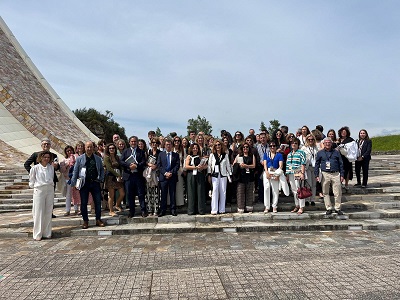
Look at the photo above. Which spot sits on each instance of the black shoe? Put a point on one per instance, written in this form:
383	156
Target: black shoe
329	212
307	203
339	212
312	203
174	213
357	184
144	214
161	213
363	186
53	216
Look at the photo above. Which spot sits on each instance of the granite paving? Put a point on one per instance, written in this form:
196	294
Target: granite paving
273	265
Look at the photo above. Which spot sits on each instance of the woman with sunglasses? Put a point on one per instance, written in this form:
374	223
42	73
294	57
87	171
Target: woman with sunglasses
245	186
273	169
179	193
195	167
65	165
113	178
295	170
219	169
238	140
310	149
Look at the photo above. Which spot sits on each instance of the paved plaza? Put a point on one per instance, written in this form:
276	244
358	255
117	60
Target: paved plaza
275	265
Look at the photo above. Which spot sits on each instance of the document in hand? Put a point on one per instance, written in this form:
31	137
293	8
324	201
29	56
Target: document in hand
131	160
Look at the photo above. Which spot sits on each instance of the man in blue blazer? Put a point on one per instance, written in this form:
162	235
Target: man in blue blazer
168	165
133	161
89	169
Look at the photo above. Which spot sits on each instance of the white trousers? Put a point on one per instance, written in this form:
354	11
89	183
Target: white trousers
68	197
294	185
274	185
43	199
218	198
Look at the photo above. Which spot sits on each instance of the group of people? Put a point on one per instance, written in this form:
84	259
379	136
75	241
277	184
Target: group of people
171	171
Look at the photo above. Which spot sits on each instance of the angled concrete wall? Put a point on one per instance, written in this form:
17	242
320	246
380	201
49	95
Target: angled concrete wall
29	107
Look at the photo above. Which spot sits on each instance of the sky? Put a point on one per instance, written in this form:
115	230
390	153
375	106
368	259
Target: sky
236	63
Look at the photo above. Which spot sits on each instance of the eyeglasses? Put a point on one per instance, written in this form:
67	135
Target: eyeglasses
272	146
246	147
294	143
154	143
46	144
237	134
291	136
177	141
111	148
310	140
217	145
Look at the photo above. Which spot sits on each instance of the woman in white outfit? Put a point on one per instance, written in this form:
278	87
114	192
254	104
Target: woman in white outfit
41	180
219	169
273	172
310	149
65	166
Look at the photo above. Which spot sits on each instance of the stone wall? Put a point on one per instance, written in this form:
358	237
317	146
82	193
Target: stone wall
33	103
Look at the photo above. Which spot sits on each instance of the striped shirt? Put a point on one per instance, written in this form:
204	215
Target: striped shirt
295	161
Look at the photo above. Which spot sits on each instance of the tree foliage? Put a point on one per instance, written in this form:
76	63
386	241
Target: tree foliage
102	125
158	132
274	125
262	126
199	124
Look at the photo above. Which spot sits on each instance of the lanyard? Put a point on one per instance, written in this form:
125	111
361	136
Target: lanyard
328	158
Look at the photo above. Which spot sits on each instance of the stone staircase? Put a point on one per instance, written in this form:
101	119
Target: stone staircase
371	208
15	194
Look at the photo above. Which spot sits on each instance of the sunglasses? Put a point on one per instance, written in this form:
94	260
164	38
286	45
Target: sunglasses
245	147
272	145
217	144
310	140
295	143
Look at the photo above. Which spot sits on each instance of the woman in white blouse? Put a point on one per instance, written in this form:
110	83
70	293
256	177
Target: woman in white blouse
219	169
41	180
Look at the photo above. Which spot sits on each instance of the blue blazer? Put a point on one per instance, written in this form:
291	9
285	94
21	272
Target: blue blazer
162	165
81	162
140	158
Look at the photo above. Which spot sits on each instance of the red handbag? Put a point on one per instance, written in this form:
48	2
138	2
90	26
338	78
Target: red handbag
304	190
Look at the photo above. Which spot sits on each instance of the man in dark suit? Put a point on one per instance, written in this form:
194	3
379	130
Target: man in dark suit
133	161
168	165
46	145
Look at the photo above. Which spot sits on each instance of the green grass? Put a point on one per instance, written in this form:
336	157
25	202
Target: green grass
386	143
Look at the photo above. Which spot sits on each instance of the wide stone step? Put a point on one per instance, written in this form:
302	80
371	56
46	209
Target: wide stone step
21	206
241	226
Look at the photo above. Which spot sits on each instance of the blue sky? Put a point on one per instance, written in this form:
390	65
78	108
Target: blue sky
237	63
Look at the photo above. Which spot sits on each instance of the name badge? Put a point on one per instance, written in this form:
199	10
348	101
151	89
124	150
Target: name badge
195	172
216	169
328	165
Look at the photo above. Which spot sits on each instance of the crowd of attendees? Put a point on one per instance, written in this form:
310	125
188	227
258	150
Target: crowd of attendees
175	171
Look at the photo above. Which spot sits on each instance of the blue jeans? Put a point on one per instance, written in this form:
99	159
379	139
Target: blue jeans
94	188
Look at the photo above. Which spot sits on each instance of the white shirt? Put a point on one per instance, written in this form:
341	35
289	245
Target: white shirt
41	176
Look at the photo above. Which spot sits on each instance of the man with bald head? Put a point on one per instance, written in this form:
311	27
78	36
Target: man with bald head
89	170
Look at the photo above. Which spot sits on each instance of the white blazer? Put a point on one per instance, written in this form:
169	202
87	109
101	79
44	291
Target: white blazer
225	168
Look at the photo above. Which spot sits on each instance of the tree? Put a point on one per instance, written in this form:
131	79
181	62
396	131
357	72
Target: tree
199	124
262	126
102	125
274	125
158	132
